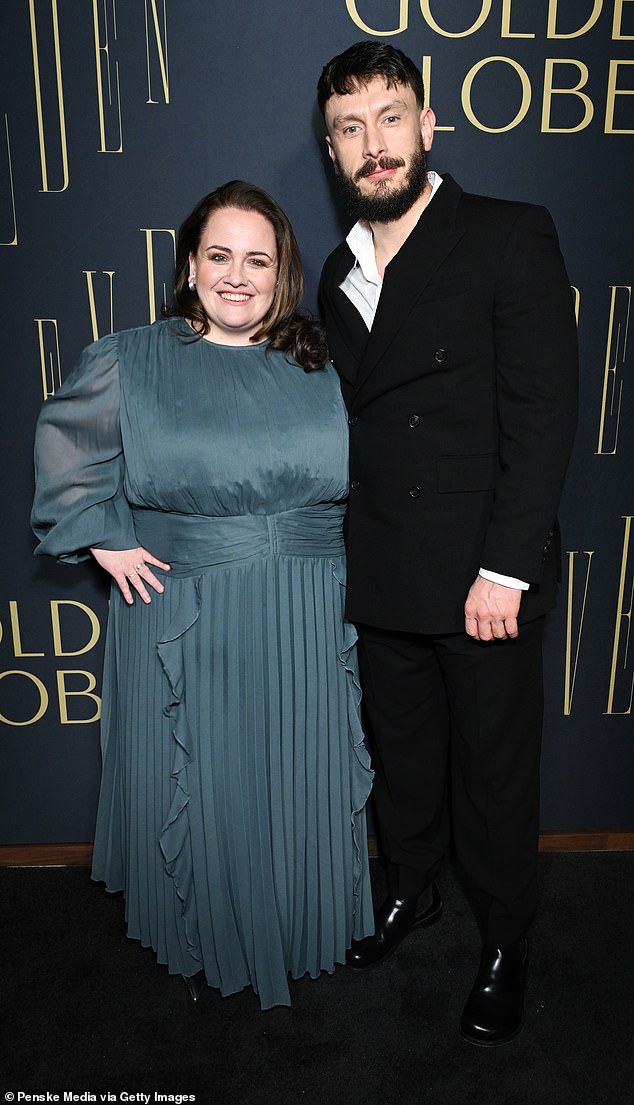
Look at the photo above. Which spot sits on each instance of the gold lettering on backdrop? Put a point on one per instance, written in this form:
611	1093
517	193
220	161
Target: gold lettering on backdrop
506	31
485	11
15	631
49	356
104	75
550	91
466	95
89	273
612	94
576	295
10	241
60	99
615	354
57	630
43	696
552	21
351	5
617	32
623	639
570	661
399	9
426	74
64	694
161	50
149	245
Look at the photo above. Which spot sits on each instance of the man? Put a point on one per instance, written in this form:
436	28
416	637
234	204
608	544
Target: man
450	321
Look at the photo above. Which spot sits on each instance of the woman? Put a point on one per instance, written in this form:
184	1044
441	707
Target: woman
206	472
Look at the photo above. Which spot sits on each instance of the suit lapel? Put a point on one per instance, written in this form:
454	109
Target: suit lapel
409	272
351	328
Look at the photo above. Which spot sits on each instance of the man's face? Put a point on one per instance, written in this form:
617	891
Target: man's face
377	139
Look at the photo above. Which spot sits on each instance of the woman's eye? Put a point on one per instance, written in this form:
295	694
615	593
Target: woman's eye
218	258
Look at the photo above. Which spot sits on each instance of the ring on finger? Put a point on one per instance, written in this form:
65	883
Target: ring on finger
137	567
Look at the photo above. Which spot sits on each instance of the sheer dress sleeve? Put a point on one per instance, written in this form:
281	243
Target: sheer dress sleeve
79	462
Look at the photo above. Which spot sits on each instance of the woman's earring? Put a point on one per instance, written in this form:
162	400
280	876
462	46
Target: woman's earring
192	281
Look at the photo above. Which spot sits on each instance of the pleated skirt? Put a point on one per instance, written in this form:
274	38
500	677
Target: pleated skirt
235	776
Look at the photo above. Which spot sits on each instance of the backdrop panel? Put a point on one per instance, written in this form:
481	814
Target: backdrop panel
116	118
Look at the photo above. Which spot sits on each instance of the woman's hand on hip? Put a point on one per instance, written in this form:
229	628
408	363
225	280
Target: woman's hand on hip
130	568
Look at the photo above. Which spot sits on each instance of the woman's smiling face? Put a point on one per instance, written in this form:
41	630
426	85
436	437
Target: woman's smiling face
235	271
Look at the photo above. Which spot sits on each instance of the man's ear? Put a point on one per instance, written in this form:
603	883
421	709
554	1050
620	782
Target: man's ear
331	153
427	124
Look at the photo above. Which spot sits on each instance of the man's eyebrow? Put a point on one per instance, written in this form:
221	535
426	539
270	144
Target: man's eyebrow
345	117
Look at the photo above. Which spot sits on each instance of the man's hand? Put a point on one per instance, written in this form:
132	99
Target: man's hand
491	610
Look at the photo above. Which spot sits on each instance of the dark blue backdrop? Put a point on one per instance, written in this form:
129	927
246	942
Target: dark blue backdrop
114	120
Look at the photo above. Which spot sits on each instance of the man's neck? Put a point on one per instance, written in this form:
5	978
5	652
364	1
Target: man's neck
389	237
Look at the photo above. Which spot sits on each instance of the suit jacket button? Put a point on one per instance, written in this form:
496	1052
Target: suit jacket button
354	485
352	420
414	492
440	355
413	421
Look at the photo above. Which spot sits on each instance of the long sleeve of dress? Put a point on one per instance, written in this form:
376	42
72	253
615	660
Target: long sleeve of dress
79	464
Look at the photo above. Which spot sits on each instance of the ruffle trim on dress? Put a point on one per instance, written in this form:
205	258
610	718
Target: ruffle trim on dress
361	773
174	837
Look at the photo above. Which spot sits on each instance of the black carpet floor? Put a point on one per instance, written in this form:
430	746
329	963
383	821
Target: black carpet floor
87	1012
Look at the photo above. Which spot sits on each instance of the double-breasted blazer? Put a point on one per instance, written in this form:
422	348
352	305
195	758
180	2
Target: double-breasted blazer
462	410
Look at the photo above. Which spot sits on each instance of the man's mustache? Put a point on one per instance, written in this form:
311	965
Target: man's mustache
383	163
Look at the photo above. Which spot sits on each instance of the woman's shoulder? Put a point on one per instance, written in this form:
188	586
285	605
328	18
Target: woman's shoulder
152	334
98	361
144	350
108	346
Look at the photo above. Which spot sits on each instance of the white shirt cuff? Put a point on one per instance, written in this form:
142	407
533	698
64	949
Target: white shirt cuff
506	581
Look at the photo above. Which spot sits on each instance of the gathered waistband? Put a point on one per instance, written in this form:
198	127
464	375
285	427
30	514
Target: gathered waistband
192	541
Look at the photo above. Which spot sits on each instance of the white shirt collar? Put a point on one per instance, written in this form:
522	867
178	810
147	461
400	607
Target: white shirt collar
361	242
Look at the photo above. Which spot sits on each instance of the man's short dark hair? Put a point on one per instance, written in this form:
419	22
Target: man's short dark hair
360	63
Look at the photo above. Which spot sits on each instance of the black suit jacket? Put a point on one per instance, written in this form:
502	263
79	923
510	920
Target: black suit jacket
462	410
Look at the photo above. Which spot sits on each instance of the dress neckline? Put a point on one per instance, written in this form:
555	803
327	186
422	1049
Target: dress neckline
224	345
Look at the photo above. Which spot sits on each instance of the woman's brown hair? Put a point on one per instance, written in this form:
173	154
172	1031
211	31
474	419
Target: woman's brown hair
298	336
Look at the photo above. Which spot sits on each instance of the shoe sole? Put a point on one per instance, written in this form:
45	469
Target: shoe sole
494	1043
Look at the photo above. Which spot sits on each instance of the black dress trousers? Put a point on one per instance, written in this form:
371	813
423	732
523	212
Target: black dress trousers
456	725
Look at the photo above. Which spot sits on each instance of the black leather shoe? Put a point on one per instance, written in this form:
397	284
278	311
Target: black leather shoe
393	921
494	1013
195	984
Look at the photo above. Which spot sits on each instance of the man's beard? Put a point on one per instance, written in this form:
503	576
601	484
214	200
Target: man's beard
386	204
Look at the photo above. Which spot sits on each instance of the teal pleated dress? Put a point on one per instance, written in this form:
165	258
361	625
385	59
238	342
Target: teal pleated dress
231	811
